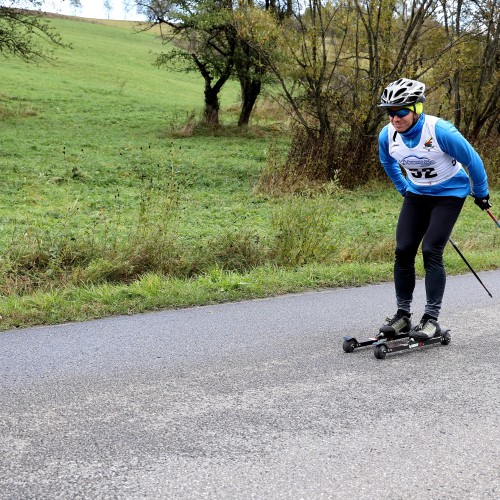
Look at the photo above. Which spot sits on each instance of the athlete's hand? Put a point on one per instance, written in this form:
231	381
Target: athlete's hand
483	202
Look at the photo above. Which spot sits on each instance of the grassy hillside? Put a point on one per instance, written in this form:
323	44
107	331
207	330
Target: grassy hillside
92	128
105	86
104	210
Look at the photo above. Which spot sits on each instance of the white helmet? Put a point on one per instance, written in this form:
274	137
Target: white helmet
402	92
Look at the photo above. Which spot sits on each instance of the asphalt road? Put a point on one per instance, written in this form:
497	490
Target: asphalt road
255	400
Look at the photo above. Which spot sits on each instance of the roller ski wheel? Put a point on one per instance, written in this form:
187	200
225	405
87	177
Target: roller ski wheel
380	351
445	337
384	347
349	345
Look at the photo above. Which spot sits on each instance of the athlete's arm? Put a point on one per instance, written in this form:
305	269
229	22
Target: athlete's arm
390	165
456	145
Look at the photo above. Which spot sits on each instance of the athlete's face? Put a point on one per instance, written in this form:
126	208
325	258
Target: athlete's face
401	123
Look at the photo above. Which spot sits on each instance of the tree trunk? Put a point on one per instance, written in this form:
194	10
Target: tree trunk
250	90
212	105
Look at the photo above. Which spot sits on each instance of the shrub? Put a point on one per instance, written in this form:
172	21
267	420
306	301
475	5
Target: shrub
303	230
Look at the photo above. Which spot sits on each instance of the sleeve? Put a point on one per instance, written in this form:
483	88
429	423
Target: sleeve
456	145
390	164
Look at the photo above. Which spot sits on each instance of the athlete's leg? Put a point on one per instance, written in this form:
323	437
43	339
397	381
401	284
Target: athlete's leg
443	217
412	225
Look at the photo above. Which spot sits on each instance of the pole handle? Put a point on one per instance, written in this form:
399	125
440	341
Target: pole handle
489	212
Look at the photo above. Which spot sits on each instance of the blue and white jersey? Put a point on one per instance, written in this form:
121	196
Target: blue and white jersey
432	155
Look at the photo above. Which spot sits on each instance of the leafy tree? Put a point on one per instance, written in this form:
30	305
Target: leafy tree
205	42
250	68
24	33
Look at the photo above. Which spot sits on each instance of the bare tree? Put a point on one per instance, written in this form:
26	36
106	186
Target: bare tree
473	85
127	6
333	61
484	113
108	7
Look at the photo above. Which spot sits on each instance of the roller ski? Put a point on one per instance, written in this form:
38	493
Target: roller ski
428	332
395	328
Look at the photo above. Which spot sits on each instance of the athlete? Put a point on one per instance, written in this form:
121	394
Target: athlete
433	154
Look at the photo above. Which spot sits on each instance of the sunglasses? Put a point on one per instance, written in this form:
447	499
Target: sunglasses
399	113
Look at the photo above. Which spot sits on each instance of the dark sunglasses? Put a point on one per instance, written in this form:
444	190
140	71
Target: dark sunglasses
400	112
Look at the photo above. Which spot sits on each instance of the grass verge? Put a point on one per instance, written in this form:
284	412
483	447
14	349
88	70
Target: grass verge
155	291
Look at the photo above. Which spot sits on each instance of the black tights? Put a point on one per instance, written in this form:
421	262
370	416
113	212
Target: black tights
431	219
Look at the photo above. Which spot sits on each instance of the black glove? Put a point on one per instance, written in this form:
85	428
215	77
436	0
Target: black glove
483	202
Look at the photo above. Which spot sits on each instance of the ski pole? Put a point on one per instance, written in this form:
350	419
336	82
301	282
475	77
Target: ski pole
469	266
488	211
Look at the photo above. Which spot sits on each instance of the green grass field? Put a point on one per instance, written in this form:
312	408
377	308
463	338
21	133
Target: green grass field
105	209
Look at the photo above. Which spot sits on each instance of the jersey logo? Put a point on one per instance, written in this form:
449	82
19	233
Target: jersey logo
428	143
416	161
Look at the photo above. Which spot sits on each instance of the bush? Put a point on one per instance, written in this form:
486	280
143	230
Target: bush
311	162
302	231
